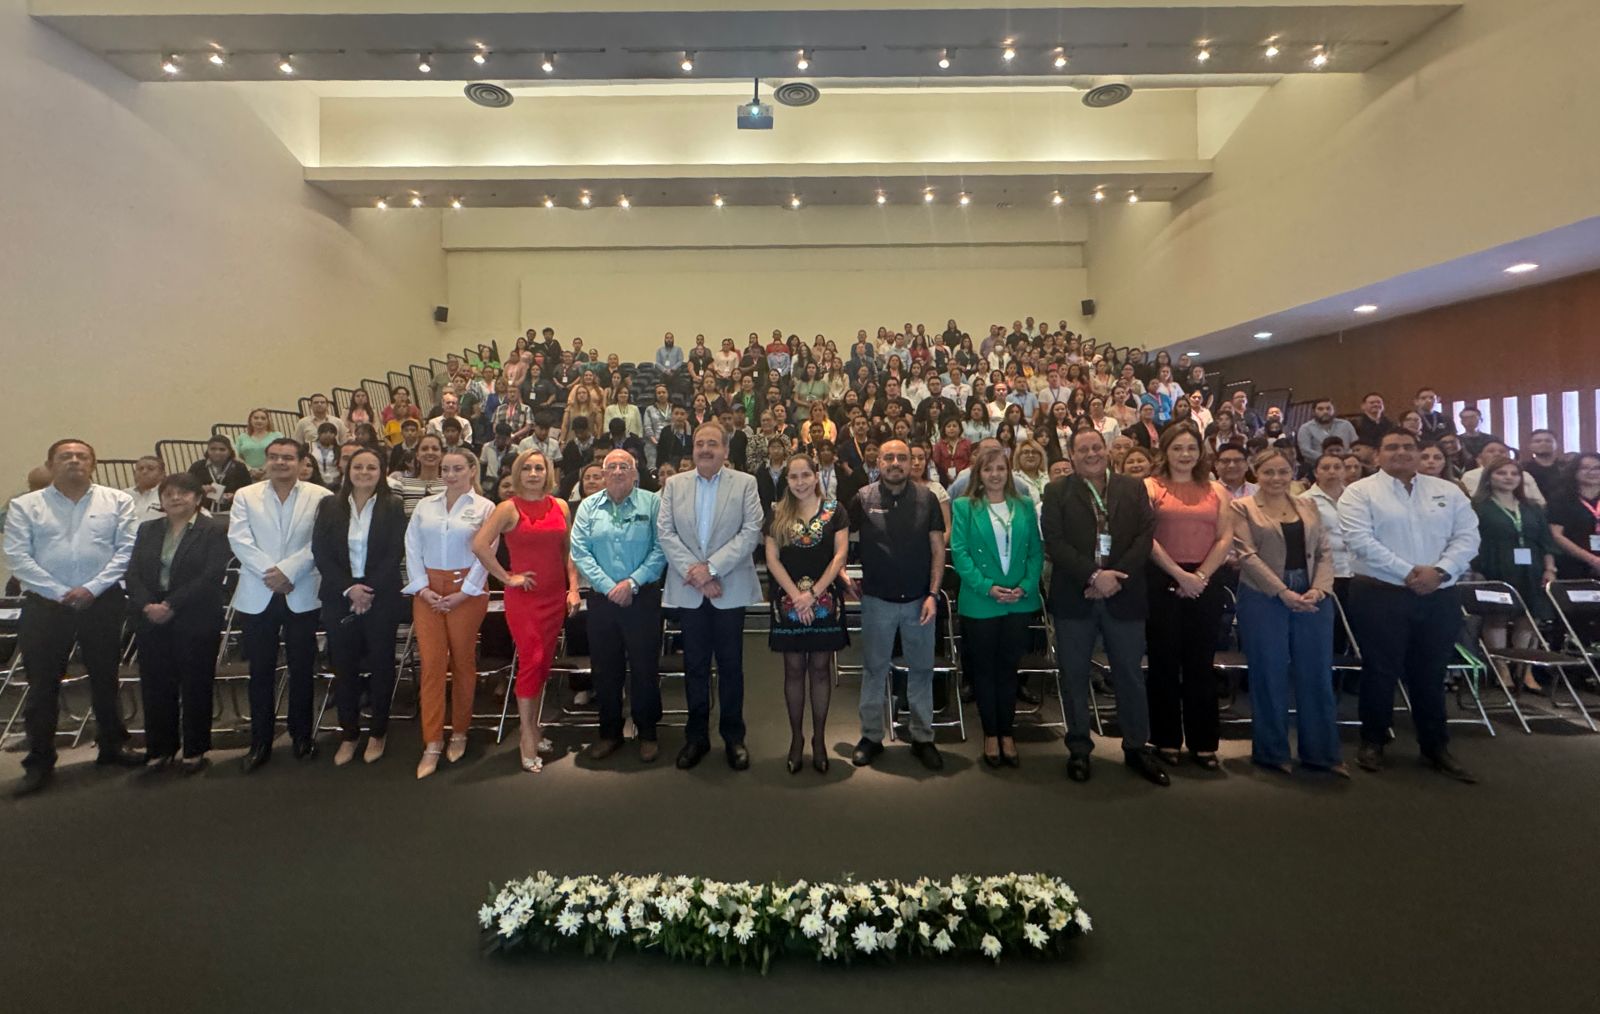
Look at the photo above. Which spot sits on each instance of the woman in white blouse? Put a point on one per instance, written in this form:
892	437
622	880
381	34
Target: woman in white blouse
624	409
451	600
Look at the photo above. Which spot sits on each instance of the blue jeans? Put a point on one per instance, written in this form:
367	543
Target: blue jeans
1289	650
880	621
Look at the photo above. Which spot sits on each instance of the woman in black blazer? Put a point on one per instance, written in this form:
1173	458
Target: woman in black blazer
176	593
359	543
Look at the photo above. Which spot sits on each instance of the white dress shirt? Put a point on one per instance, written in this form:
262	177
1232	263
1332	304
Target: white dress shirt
1328	511
440	538
1389	530
146	505
53	544
359	533
827	484
305	430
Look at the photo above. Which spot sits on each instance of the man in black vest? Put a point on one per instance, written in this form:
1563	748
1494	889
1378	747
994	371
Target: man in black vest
1097	531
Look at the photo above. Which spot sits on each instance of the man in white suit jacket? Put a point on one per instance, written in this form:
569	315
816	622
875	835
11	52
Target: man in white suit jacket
709	525
270	531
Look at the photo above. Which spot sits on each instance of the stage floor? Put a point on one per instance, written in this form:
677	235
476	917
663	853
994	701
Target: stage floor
305	887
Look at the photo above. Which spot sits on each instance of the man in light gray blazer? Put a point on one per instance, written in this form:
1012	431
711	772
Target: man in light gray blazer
277	598
709	525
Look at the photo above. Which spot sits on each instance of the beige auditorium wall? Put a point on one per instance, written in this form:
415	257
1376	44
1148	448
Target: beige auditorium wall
1481	132
164	266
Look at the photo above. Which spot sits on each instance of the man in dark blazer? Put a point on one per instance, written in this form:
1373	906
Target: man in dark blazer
1097	531
178	621
772	475
361	641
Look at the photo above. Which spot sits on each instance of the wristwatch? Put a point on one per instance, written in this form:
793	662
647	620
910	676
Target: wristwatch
635	585
711	570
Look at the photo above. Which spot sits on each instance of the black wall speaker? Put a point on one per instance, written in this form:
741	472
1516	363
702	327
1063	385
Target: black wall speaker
441	314
1087	307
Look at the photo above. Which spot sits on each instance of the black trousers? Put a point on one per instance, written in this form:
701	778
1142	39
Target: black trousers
46	635
1181	645
262	633
625	648
177	671
994	647
363	644
1404	636
707	632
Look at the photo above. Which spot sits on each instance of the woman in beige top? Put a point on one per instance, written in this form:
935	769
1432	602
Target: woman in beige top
1286	620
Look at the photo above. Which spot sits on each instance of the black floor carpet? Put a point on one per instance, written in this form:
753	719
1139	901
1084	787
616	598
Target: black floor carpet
305	887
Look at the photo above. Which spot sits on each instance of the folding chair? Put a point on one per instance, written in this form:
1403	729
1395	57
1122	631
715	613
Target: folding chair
1043	662
1577	606
947	710
1499	601
566	666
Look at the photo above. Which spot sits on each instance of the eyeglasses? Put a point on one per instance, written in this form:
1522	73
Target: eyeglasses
617	466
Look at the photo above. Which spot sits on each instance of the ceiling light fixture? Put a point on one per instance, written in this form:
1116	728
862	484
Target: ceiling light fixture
481	57
927	197
1320	58
688	62
425	64
1061	58
882	198
1367	308
716	200
169	63
1262	336
623	202
286	65
1133	197
964	200
548	65
804	61
549	202
1099	194
416	200
1522	269
584	199
1009	54
1192	354
1271	50
218	58
455	203
1204	54
944	59
382	205
1057	199
794	201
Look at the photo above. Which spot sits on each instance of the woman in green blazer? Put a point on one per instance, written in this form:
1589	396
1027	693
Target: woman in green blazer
995	547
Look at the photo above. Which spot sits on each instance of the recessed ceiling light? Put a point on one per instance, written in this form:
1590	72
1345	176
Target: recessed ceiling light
455	203
382	205
1367	308
794	202
1133	197
688	62
1262	336
425	64
218	58
549	202
716	200
1204	54
882	197
286	65
1061	59
548	64
964	199
803	62
1009	54
416	200
944	59
480	58
1192	354
1522	269
169	64
1056	198
1320	58
584	198
927	197
1271	51
1099	195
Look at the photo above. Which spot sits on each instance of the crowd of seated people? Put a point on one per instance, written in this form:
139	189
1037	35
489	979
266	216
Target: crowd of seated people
981	433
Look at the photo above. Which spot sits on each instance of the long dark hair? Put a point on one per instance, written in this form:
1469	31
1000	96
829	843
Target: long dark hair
382	495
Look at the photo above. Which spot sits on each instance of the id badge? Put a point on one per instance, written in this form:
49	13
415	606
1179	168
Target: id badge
1522	556
1102	545
1594	543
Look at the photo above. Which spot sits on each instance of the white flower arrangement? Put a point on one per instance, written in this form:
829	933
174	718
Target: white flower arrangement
694	919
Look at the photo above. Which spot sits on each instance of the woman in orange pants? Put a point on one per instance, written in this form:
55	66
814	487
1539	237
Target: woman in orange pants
450	603
541	586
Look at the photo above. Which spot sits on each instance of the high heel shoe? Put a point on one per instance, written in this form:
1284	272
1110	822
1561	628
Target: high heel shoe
374	751
796	759
533	766
458	748
430	760
819	757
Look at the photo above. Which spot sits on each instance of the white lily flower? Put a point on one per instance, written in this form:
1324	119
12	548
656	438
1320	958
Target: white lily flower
942	942
1082	919
990	946
1034	935
865	938
567	923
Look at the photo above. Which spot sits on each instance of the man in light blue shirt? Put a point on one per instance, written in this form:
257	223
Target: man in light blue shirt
669	358
614	546
69	545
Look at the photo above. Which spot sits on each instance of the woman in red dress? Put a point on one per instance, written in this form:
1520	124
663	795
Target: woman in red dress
541	586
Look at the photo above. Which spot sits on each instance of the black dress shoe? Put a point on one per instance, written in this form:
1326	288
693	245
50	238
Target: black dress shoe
864	752
1145	766
1442	762
928	754
1026	695
1011	760
119	757
692	754
160	763
1369	756
255	758
32	781
195	765
992	759
305	749
1078	767
738	757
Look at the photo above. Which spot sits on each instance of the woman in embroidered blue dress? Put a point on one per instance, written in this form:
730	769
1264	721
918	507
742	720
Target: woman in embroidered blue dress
807	541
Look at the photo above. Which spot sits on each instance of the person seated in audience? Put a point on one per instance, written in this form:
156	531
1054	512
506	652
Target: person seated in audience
251	445
1233	471
1198	412
1324	494
1494	450
307	428
1471	438
677	440
367	436
423	478
622	440
361	410
221	475
1312	436
405	452
1456	458
1516	547
497	455
324	455
1366	454
175	596
396	412
771	477
1182	415
1431	461
449	408
624	409
1372	424
1435	423
1144	431
1246	418
542	439
669	358
1137	463
454	437
1411	422
514	413
148	471
575	453
1541	460
921	474
591	479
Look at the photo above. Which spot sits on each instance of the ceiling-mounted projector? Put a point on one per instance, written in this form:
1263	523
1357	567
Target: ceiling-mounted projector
755	114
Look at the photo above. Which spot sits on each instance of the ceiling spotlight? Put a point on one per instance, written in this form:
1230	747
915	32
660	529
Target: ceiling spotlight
1204	54
688	62
804	62
1522	269
794	202
1367	308
1099	195
170	64
716	200
455	203
1271	50
964	200
1061	58
286	65
584	198
944	59
1057	199
480	58
1320	58
416	200
1262	336
425	64
1133	197
927	197
549	63
1192	354
218	58
883	198
549	202
623	202
382	205
1009	54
